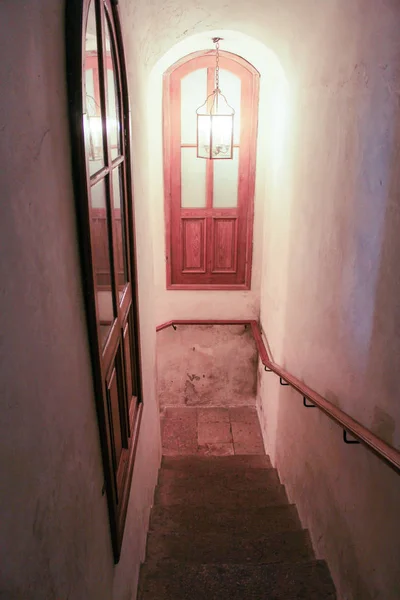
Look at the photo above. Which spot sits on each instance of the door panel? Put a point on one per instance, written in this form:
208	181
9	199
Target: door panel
193	245
224	245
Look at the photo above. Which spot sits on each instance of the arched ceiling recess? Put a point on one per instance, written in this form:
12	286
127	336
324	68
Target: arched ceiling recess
274	105
158	25
251	49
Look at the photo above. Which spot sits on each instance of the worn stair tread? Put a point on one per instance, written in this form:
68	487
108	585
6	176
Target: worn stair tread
193	519
288	546
281	581
260	488
246	479
210	463
219	496
261	479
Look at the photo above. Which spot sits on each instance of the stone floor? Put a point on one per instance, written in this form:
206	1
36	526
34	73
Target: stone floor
210	431
221	527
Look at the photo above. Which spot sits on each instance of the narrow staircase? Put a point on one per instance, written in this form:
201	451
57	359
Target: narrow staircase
222	528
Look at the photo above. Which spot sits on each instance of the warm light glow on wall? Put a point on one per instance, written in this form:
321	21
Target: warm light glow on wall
279	123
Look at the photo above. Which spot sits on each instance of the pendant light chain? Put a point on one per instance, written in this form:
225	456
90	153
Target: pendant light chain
215	125
217	66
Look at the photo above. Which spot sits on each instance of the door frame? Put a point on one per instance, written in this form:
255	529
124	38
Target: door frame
170	142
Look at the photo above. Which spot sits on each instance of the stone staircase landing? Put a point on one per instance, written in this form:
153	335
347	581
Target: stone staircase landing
221	527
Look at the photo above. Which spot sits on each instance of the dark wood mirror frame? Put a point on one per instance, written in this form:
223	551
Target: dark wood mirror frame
116	361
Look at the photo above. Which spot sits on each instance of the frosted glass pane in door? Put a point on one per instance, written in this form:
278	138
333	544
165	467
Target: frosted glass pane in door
226	179
193	95
231	87
193	179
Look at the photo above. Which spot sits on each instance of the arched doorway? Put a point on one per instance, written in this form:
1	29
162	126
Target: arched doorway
209	203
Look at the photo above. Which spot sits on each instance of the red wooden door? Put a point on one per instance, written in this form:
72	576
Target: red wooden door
209	203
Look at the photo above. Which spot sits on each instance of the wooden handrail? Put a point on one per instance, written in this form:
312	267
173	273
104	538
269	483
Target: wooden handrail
205	322
384	451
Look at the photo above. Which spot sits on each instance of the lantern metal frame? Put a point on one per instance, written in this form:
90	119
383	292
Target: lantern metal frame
212	113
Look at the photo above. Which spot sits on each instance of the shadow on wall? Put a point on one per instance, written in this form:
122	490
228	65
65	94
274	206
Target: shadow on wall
382	372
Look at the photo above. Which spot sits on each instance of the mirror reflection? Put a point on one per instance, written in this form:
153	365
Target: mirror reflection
93	121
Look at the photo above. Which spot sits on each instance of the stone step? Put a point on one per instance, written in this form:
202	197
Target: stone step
288	546
222	497
181	487
247	479
196	519
216	463
229	489
281	581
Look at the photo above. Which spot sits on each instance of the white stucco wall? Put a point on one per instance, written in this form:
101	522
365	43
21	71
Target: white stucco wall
328	300
54	531
330	290
329	286
149	451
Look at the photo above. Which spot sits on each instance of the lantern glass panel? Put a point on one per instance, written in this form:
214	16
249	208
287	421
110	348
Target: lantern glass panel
222	136
203	136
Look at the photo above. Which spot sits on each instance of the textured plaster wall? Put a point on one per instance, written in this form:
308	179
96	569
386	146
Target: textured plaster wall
54	530
207	365
330	291
149	450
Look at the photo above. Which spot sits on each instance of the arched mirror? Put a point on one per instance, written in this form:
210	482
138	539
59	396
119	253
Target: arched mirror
99	116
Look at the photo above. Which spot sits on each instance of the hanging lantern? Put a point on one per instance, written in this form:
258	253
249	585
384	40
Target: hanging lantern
215	122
